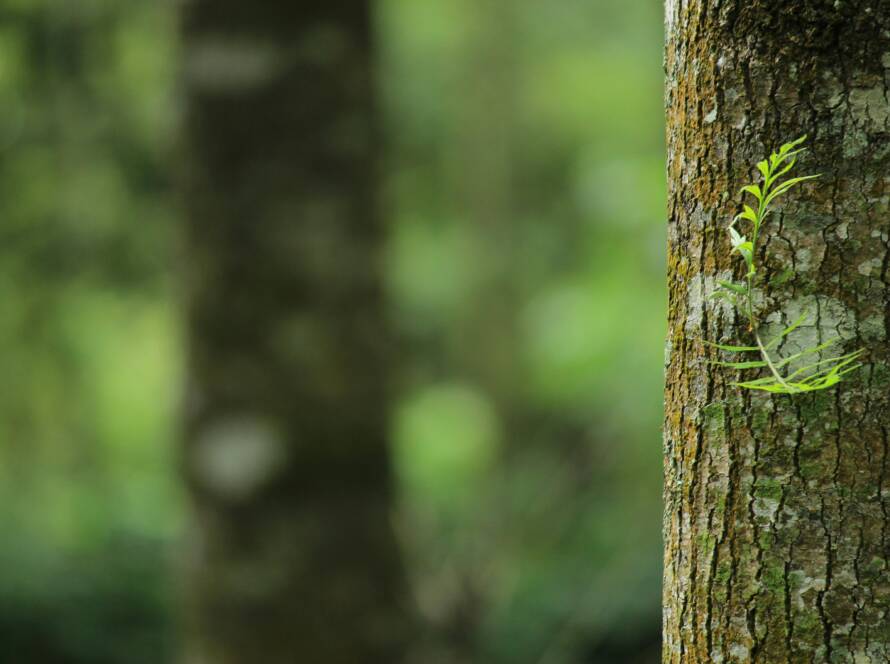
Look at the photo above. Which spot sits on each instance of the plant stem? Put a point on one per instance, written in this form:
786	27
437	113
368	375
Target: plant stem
752	324
771	366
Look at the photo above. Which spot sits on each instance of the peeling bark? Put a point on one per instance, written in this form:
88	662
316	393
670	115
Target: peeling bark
291	555
776	507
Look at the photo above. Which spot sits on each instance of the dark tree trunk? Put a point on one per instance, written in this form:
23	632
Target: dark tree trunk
292	557
776	516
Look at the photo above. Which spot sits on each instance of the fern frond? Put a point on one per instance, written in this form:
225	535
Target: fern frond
819	375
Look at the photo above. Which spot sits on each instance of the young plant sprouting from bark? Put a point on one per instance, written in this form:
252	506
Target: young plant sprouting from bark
785	376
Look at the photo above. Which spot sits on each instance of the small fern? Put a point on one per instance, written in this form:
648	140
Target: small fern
783	378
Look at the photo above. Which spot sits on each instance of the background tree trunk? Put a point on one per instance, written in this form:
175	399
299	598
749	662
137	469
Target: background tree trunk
776	517
292	557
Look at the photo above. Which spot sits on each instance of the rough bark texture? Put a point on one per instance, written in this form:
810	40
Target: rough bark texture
778	508
291	556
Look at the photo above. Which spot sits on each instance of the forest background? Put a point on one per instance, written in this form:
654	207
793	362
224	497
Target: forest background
524	205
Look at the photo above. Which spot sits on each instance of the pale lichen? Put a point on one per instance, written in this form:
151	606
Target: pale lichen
224	65
237	455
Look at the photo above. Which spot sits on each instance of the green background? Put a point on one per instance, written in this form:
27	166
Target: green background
523	189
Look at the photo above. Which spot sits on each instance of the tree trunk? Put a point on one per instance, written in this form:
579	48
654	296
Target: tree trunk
291	557
776	516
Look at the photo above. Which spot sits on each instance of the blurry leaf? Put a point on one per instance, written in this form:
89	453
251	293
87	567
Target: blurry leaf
788	166
736	288
723	295
764	169
754	190
782	277
786	185
788	330
735	238
733	349
748	213
446	439
787	147
753	364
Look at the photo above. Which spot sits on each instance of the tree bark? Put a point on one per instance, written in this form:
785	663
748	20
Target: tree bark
776	516
291	555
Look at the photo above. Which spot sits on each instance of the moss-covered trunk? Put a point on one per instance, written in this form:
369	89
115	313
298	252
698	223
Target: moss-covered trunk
776	515
291	554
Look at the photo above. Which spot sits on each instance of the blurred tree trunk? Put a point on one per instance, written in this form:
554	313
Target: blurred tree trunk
776	521
292	557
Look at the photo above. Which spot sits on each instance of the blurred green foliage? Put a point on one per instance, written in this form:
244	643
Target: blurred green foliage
89	346
524	196
526	184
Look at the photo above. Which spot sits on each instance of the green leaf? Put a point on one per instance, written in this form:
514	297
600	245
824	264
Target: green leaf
764	168
732	349
787	147
826	383
788	330
766	387
786	185
839	362
776	387
748	213
815	376
723	295
817	380
762	381
782	277
752	364
808	351
754	190
796	324
791	160
848	370
735	288
735	238
746	249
